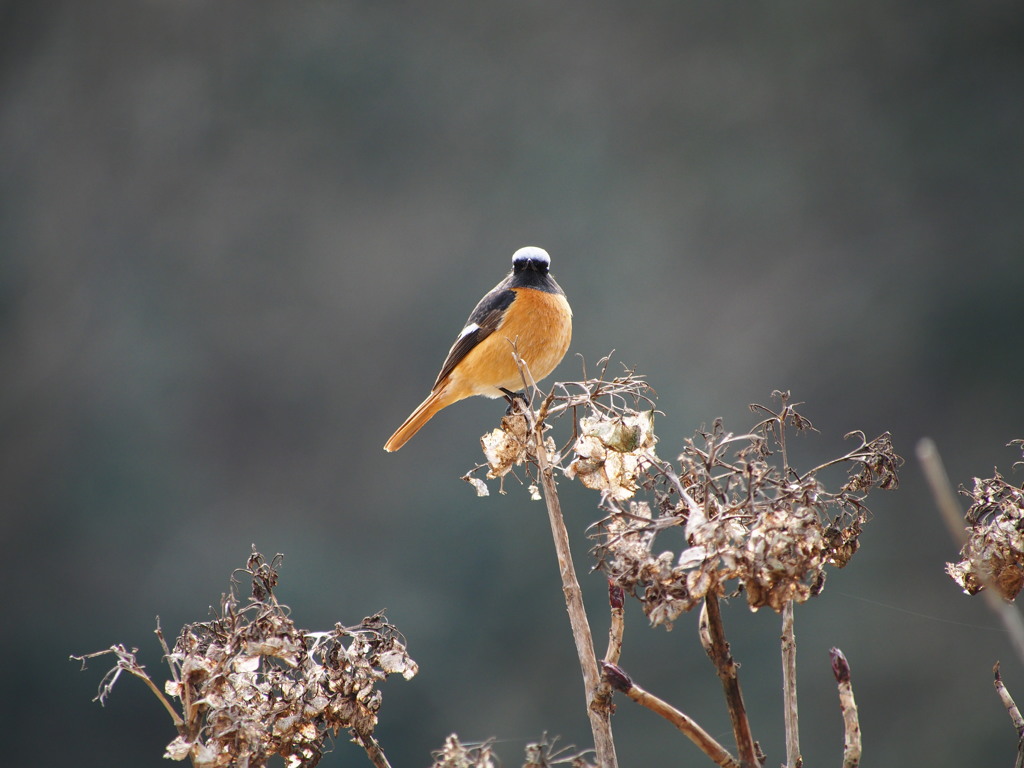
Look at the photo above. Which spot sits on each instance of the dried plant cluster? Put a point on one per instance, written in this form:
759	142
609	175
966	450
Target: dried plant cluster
994	553
506	448
455	754
747	517
251	685
248	685
608	447
741	516
541	754
612	453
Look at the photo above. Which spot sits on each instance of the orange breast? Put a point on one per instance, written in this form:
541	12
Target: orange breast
541	326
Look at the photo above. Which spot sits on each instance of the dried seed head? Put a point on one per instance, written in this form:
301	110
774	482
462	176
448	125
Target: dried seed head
618	433
995	547
454	754
252	685
784	553
750	520
611	452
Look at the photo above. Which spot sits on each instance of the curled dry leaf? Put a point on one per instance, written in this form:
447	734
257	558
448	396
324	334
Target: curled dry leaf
506	446
479	485
509	446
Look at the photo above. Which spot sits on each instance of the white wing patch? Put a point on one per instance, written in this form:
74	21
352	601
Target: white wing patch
468	330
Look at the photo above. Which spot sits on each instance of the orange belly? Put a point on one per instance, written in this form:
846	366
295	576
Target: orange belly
540	325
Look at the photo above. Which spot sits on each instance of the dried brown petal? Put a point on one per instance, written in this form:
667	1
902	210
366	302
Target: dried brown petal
610	453
506	447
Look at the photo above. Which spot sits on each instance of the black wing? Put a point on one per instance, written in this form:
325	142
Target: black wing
482	322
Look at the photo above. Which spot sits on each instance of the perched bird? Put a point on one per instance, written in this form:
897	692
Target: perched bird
528	309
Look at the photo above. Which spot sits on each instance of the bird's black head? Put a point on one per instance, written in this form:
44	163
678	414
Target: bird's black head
531	258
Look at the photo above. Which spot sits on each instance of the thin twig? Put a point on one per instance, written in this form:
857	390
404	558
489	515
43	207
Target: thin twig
1015	716
790	711
127	662
167	651
713	639
851	723
621	681
373	750
600	717
175	717
1007	699
952	514
696	514
851	456
616	603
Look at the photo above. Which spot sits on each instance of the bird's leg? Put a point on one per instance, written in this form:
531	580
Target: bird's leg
511	397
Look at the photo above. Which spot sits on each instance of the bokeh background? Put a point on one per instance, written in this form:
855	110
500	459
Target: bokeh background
236	240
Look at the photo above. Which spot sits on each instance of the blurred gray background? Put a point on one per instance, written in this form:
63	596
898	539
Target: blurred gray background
237	239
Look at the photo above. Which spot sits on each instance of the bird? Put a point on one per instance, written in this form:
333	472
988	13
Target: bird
526	313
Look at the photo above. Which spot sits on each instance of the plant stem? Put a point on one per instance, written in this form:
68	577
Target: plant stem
792	718
619	680
1015	716
713	638
851	722
373	750
1007	699
175	717
600	717
616	598
616	601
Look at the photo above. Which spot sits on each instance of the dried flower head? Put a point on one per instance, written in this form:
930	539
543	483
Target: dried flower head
541	754
455	754
611	452
507	446
608	451
994	552
546	753
251	685
746	516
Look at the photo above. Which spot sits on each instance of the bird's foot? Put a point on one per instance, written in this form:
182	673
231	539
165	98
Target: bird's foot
511	398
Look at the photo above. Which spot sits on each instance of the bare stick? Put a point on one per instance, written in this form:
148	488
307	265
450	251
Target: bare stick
942	490
851	723
127	662
949	507
598	707
1015	716
167	651
600	716
373	750
1007	699
712	636
616	602
790	712
621	681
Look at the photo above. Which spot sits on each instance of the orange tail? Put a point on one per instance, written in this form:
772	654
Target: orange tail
423	413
